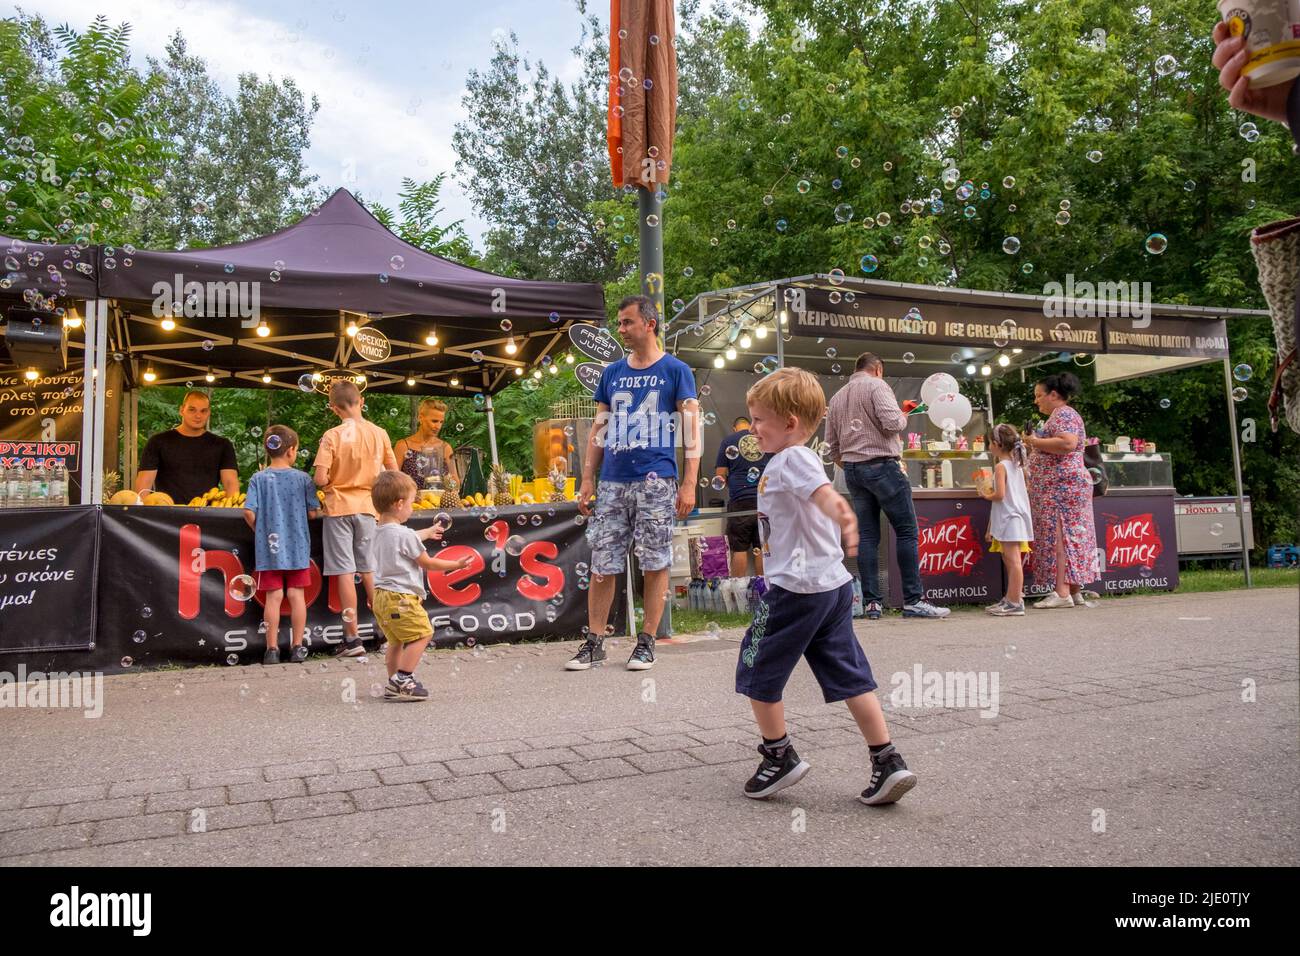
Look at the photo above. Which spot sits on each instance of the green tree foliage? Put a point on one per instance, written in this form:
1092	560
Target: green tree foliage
419	206
237	168
81	132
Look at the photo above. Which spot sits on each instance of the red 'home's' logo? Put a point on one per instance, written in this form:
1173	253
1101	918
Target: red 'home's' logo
949	546
1132	542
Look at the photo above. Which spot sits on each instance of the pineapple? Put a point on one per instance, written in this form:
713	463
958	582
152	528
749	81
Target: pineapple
449	497
499	487
557	484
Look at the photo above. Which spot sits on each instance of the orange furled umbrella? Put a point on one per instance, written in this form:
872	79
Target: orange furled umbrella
642	91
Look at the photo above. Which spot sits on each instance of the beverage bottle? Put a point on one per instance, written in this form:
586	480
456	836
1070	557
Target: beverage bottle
58	485
4	487
17	482
38	490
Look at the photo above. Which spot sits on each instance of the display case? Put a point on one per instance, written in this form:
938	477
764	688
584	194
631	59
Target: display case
1132	470
948	470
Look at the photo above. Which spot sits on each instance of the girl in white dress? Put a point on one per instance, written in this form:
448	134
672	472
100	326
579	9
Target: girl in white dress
1010	525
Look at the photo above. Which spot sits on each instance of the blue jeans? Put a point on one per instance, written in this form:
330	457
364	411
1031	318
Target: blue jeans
873	487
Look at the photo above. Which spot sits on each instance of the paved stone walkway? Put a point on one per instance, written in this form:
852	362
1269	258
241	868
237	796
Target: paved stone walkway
1133	710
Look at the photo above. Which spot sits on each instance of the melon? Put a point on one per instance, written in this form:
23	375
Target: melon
124	498
158	498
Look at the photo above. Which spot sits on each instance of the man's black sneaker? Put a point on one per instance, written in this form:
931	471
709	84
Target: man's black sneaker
776	772
890	778
351	648
591	652
643	656
298	654
873	610
405	688
272	656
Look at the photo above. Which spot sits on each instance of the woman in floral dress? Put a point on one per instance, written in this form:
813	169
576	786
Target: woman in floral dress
1060	496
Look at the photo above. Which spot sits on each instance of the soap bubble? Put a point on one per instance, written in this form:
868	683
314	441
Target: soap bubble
242	587
732	453
1156	243
1094	156
803	186
1166	65
752	475
1243	372
781	225
306	383
718	483
908	358
1239	394
515	545
1008	182
1063	217
883	219
832	352
869	263
1165	403
1011	245
843	212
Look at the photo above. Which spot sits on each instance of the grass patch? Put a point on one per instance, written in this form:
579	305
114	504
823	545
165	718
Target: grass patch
1190	582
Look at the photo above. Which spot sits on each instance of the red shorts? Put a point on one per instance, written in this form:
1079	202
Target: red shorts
279	580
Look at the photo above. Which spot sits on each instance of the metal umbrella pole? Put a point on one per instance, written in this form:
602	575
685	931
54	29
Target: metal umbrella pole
1236	465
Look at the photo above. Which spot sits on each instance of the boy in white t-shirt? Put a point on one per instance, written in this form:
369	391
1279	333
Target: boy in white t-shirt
808	609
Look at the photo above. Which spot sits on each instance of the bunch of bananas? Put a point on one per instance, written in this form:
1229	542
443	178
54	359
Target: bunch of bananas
217	498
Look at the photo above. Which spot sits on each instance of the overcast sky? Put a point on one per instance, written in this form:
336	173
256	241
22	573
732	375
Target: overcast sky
389	74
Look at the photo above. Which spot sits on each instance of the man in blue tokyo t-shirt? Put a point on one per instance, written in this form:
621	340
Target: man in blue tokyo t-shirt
645	408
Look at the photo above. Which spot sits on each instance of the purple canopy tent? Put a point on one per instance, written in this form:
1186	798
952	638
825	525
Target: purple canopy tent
270	310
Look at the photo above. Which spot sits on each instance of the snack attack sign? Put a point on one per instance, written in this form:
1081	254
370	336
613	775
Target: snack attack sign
956	566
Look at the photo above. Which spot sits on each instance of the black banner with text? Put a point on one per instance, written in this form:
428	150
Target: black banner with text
185	599
47	579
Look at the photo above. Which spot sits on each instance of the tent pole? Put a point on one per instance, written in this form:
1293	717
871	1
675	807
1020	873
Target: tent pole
988	399
89	364
778	303
1236	465
492	430
101	391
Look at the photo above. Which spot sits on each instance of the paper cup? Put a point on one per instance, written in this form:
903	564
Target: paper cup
1272	32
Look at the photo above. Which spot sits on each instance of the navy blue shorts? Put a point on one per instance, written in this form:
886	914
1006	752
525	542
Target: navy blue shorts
818	627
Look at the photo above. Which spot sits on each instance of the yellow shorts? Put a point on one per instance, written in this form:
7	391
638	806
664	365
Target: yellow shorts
995	547
401	617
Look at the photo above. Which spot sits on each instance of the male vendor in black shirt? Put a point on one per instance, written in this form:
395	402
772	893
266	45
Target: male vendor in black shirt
188	460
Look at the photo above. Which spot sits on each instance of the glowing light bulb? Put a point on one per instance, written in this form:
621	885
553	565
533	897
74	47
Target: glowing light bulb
72	321
1004	360
455	381
760	332
410	380
31	375
266	378
519	371
168	323
431	339
746	341
150	375
730	354
717	361
263	330
511	348
210	377
568	359
352	328
970	369
985	370
553	368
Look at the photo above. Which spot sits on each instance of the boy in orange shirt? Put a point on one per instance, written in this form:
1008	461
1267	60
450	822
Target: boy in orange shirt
350	458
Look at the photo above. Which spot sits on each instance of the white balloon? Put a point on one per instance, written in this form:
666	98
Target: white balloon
950	410
940	383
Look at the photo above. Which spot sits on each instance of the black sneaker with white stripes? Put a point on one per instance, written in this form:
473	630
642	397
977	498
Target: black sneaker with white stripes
780	768
643	655
592	652
890	778
404	689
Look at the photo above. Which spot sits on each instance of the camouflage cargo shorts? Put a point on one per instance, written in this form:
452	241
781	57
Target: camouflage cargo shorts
636	514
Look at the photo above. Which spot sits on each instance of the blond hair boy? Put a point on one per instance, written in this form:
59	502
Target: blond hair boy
808	609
